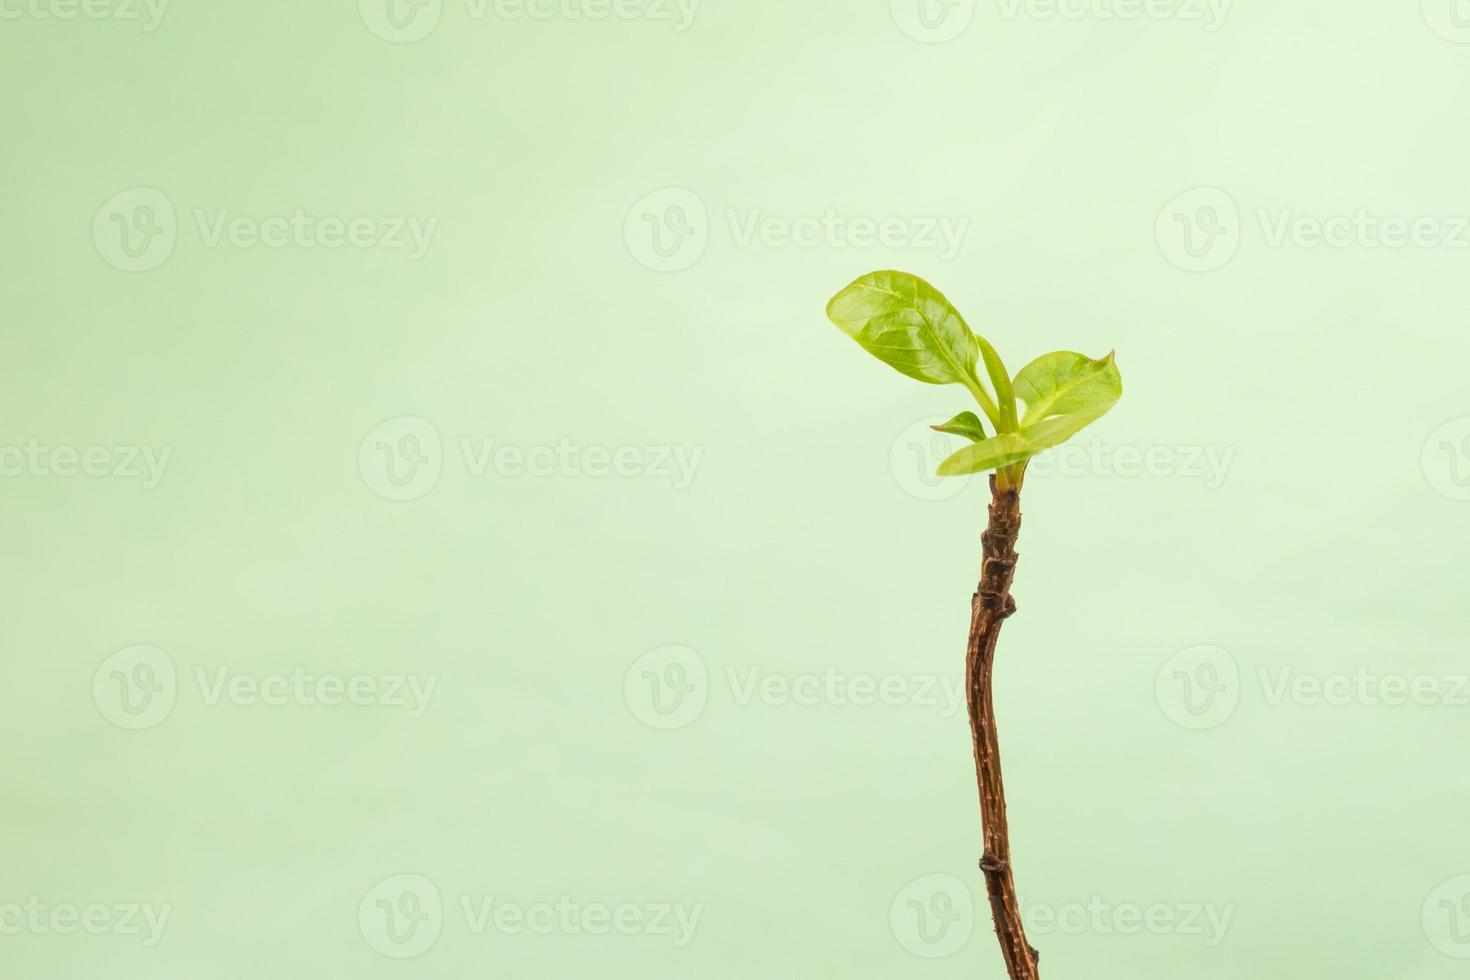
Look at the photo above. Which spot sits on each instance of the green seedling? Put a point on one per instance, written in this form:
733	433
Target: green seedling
909	325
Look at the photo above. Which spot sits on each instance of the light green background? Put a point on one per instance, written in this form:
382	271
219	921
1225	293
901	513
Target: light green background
1334	540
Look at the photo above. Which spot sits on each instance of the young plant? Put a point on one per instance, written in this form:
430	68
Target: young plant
906	323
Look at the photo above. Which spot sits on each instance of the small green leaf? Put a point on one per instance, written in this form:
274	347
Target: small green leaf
1002	383
965	424
909	325
1065	382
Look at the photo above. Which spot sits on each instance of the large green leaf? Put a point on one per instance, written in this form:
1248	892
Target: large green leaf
1066	383
909	325
1064	392
994	453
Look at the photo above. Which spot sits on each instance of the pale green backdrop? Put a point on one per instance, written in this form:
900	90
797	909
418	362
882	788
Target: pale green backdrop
443	537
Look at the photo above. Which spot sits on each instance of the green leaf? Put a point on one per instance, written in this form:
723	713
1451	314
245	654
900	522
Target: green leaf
1064	392
1002	383
1002	450
909	325
1066	383
965	424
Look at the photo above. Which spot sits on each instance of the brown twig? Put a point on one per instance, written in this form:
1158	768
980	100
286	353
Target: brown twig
992	604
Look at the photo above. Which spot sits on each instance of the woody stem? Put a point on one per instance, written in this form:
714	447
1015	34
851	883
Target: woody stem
991	606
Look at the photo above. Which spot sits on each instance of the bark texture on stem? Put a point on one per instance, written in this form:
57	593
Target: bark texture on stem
992	605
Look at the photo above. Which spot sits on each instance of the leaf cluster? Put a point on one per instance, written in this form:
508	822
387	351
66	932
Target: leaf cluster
909	325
